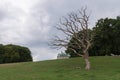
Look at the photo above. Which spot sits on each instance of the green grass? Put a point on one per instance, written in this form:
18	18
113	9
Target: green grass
102	68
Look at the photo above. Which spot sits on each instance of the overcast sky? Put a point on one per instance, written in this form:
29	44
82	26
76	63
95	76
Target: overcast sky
31	23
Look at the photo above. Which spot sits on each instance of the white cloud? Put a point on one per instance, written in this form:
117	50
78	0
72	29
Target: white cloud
30	22
43	53
19	21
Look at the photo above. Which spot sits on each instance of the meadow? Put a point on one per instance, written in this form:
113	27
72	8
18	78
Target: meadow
102	68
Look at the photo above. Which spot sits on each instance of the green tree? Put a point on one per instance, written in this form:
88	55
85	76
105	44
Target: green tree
106	39
14	53
1	53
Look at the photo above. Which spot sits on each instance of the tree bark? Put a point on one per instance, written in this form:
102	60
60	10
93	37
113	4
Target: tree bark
87	62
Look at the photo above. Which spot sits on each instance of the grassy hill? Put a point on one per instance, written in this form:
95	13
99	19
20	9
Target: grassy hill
103	68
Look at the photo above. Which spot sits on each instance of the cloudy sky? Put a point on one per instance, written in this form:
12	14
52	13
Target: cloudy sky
31	23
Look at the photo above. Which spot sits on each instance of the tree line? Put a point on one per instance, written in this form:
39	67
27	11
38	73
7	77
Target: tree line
13	53
105	39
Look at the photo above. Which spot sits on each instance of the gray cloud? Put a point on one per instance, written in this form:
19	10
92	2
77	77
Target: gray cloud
31	22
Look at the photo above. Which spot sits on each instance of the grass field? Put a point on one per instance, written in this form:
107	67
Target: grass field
103	68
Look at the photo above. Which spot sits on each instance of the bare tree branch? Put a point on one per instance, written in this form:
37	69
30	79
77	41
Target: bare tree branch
71	26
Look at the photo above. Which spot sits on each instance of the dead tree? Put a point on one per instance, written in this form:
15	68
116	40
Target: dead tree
70	26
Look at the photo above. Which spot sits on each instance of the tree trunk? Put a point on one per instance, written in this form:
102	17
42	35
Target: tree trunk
87	62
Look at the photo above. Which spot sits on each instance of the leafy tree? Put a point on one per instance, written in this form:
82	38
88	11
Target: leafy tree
1	53
14	53
107	37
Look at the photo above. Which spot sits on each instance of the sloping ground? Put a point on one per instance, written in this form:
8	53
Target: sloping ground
103	68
